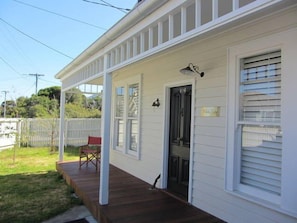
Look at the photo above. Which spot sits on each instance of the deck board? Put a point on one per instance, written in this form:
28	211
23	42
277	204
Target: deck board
130	199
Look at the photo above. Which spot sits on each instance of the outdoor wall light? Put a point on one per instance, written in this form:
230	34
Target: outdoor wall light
156	103
191	70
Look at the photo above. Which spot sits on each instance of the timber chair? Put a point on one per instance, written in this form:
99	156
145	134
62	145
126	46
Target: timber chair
90	153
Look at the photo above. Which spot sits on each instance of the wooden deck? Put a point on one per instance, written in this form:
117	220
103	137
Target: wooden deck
130	199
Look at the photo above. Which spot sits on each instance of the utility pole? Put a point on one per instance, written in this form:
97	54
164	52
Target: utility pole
4	113
36	82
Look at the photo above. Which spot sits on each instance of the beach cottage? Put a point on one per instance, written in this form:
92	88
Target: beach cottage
202	93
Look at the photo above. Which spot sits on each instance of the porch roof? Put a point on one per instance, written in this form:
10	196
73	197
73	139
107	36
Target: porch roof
155	26
131	199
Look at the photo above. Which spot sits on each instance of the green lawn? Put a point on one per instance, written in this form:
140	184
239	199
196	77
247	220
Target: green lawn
31	190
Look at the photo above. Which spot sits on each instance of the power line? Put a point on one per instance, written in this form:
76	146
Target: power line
36	40
11	40
108	5
112	6
64	16
11	67
28	89
47	81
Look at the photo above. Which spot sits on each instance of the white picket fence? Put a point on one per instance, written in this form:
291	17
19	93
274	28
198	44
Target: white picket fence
45	132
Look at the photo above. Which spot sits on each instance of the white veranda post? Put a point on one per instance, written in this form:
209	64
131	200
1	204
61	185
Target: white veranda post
62	126
106	117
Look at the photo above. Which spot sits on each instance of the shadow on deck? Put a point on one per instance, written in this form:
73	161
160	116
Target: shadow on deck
130	199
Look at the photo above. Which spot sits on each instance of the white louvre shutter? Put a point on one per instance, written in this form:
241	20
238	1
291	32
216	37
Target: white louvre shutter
261	88
260	118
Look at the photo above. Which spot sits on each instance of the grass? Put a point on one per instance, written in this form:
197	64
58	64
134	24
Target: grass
31	190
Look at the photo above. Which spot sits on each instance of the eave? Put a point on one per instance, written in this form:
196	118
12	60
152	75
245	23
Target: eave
134	37
140	11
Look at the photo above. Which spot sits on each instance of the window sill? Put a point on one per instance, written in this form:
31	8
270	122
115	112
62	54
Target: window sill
127	154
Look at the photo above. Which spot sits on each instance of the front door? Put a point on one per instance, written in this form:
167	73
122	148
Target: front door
179	140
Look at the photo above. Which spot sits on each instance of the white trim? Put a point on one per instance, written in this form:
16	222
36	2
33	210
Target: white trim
62	126
286	42
215	9
106	123
164	168
83	81
183	28
191	168
198	13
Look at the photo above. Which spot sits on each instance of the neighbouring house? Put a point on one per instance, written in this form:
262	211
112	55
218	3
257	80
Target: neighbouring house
202	92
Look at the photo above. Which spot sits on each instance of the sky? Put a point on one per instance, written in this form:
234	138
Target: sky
40	37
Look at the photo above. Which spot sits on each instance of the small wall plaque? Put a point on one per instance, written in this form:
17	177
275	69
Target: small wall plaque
210	111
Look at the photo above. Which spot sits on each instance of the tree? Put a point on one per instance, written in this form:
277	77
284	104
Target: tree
37	107
75	96
51	92
75	111
10	107
46	104
94	102
22	108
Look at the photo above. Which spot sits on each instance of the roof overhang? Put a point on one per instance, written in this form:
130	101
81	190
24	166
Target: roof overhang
140	11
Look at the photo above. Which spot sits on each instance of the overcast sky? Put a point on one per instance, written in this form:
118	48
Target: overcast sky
41	37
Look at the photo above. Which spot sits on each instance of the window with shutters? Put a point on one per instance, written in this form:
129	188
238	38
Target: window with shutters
255	119
259	124
126	117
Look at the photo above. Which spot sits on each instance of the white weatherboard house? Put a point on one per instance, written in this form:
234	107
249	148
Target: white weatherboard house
225	142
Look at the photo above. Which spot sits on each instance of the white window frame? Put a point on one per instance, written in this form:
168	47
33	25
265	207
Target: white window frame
126	83
117	119
286	42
